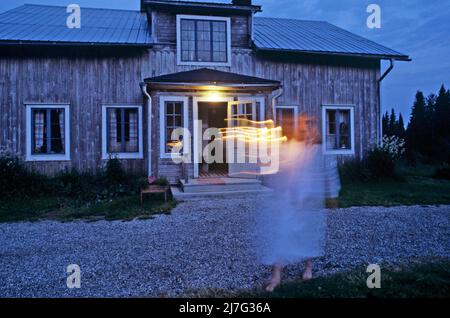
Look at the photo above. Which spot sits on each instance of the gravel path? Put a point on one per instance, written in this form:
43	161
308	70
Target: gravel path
199	246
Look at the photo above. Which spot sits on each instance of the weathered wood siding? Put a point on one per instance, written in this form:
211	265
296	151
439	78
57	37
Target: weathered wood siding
306	85
86	83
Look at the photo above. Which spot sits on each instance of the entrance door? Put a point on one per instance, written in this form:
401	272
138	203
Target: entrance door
241	119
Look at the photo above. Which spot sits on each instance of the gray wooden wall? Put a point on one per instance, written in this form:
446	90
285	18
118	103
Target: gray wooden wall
86	83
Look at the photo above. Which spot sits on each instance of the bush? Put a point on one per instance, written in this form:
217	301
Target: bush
114	173
354	170
378	164
442	173
394	146
113	181
16	180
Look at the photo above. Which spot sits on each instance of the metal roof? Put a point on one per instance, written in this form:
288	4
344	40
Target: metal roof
315	37
40	24
207	76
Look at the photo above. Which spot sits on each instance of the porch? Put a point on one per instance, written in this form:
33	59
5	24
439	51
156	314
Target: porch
198	101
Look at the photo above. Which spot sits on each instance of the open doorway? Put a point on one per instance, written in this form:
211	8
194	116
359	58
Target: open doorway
213	114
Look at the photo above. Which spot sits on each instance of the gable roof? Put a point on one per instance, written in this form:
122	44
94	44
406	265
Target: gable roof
315	37
206	76
40	24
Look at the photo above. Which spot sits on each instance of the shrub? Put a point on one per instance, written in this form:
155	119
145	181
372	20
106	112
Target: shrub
354	170
114	172
394	146
442	173
16	180
378	164
113	181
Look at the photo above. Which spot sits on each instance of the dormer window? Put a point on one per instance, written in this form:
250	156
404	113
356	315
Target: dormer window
203	40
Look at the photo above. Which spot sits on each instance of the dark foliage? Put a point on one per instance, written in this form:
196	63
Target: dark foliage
393	126
428	133
113	181
442	173
377	165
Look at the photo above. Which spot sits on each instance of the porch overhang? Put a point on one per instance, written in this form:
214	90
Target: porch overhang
211	80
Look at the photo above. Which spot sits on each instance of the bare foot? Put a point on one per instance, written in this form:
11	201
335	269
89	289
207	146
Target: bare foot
275	280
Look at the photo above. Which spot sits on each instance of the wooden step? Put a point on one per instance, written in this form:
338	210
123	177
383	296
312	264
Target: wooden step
216	185
180	196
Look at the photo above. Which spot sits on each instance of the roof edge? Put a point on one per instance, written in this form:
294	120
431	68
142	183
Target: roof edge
68	44
405	58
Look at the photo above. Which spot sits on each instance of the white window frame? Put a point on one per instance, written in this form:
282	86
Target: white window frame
207	18
295	108
350	151
121	155
162	123
47	157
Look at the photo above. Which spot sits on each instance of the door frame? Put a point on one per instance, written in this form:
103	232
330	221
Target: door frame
225	99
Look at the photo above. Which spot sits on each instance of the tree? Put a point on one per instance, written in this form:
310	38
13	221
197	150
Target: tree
441	125
393	123
385	124
415	140
401	132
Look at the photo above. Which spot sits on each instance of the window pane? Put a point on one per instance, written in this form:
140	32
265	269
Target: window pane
39	133
131	130
344	129
48	131
174	119
123	130
203	41
338	129
57	131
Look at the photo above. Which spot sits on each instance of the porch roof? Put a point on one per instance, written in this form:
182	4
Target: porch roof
205	77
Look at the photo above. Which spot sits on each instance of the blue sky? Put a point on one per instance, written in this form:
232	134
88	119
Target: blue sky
419	28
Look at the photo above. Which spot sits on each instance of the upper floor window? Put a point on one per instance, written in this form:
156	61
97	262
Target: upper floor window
203	40
338	129
48	132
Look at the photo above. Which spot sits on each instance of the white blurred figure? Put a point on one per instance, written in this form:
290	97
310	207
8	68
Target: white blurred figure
291	224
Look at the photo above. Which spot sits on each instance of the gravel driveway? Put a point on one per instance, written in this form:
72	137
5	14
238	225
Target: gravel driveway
199	246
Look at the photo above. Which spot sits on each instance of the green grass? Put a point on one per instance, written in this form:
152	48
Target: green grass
416	187
417	281
67	209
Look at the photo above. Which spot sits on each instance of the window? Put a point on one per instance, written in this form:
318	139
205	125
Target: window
173	115
48	133
286	117
338	129
122	132
203	40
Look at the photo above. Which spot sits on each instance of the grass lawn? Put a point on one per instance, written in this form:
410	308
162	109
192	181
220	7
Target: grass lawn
417	188
67	209
418	281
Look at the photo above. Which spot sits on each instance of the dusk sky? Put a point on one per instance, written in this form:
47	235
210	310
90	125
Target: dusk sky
418	28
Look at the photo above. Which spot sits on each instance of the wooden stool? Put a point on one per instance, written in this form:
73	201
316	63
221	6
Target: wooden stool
154	189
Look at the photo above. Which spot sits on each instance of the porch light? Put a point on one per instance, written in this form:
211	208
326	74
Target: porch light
214	96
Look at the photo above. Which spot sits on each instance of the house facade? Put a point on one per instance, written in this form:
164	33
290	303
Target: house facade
122	82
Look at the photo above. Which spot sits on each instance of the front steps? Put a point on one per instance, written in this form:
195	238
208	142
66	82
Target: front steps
218	187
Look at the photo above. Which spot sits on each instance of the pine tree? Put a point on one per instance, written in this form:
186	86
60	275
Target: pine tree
393	123
441	125
385	123
415	133
401	132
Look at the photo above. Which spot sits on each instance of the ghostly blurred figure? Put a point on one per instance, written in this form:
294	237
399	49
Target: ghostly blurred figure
291	224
